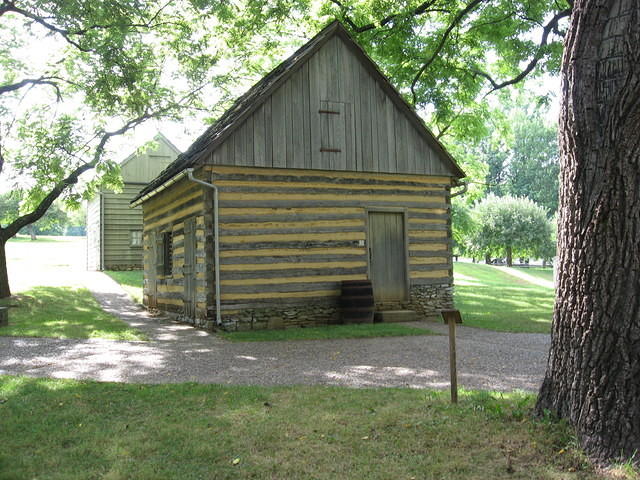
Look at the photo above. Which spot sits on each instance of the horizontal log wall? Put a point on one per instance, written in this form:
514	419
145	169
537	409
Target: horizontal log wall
290	236
167	212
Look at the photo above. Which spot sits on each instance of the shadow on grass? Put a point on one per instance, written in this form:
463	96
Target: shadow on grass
63	312
131	281
506	309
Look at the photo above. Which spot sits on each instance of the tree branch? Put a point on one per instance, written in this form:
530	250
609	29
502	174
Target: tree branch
33	81
458	18
71	179
551	26
419	10
9	6
5	7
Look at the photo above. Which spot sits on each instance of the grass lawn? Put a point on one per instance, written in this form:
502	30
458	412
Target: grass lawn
543	273
131	282
489	298
63	312
326	332
63	429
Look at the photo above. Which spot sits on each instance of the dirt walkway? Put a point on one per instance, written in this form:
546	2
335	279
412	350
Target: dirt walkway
178	353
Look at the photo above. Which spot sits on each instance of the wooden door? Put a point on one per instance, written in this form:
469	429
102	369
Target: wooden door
189	269
387	256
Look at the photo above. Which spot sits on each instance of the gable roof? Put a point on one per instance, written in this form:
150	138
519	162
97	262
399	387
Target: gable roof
158	137
256	95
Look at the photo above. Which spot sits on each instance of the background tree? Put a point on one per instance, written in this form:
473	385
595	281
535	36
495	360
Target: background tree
462	225
509	226
531	169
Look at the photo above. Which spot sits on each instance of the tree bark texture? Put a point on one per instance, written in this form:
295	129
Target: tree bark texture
5	291
593	371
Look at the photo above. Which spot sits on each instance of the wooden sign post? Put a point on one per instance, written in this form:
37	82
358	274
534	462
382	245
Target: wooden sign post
452	317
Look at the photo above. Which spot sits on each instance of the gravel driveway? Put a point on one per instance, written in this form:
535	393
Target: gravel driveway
178	353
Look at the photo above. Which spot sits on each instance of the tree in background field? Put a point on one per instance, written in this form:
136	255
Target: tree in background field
522	158
53	222
509	226
462	225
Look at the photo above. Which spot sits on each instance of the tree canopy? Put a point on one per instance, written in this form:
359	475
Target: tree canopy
510	226
522	157
75	75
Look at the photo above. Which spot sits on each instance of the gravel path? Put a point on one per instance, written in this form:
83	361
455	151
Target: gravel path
178	353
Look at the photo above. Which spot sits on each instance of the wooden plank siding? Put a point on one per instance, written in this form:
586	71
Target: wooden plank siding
364	130
119	221
182	202
110	218
289	235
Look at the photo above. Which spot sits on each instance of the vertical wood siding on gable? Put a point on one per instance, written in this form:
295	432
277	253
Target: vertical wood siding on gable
286	130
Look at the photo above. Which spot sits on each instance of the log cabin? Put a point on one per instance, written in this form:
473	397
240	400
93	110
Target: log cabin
320	173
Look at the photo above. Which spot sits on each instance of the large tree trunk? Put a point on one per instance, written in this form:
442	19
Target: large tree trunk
509	257
593	371
5	291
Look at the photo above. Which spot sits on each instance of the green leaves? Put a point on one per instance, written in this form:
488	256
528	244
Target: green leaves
445	56
515	223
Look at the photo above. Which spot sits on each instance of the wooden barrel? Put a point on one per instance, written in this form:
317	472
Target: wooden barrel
356	301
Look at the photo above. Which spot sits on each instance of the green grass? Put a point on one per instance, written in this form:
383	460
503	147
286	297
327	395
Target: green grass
63	312
491	299
63	429
130	281
539	272
326	332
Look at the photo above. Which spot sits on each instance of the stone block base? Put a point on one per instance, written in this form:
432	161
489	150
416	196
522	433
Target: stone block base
281	317
429	300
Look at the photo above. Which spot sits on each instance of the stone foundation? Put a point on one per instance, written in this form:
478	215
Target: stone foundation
281	317
429	300
123	267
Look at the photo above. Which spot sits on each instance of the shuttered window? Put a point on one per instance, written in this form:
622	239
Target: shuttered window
333	126
164	253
